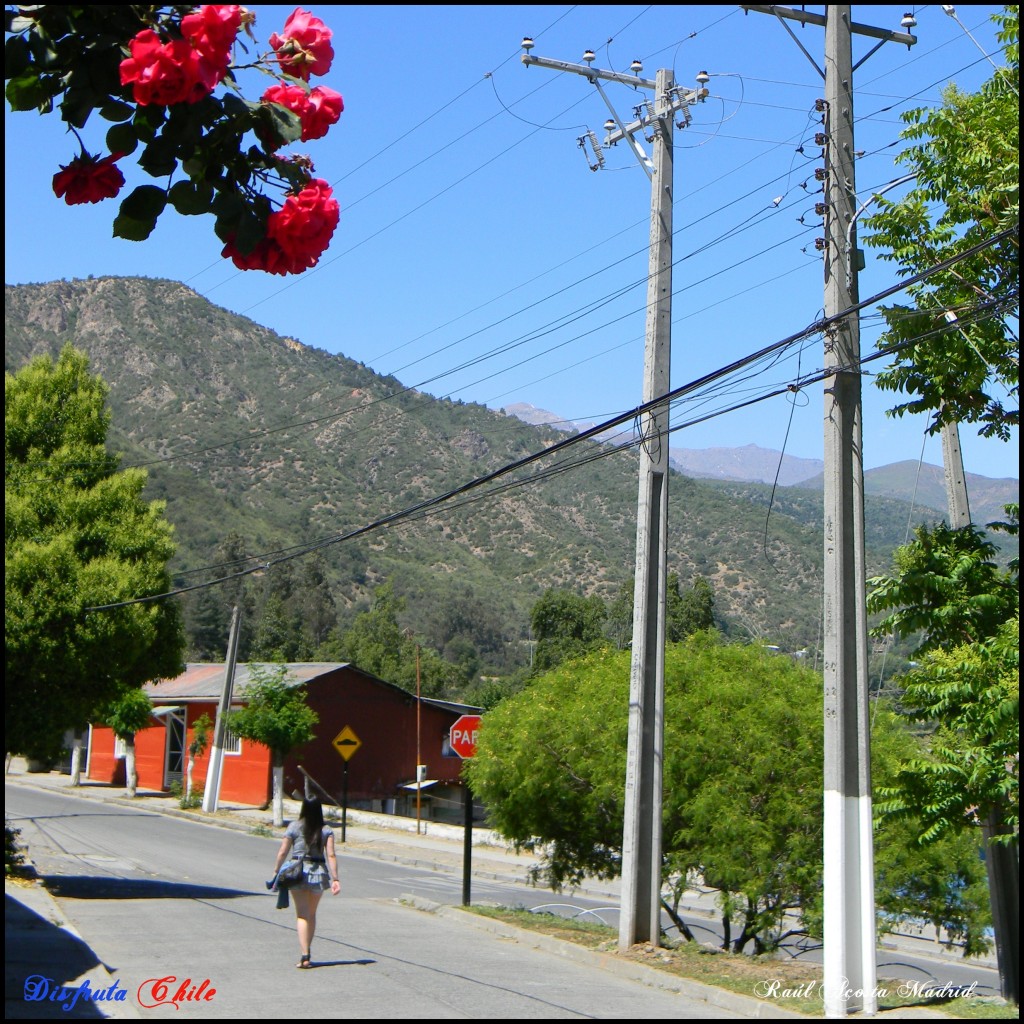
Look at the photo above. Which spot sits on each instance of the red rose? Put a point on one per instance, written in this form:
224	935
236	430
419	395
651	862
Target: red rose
87	179
324	109
167	73
304	47
317	109
297	234
304	225
212	30
266	256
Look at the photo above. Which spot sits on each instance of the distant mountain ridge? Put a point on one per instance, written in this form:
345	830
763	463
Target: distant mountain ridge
921	484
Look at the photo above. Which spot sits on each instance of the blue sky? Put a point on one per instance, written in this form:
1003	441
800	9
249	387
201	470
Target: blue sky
473	233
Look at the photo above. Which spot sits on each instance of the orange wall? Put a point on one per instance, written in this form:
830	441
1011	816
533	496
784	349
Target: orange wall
245	777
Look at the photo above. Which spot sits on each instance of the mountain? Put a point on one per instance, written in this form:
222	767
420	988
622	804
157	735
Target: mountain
749	463
263	446
925	486
921	484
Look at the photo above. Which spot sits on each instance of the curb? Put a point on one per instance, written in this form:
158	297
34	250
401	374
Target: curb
744	1006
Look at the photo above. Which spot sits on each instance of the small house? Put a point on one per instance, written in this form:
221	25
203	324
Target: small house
388	743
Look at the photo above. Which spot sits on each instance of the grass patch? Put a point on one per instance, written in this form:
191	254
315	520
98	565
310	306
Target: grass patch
788	984
581	930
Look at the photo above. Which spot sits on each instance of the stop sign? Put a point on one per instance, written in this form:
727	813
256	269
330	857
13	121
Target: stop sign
462	735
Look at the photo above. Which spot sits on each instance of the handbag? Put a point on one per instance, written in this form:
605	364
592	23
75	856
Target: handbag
290	874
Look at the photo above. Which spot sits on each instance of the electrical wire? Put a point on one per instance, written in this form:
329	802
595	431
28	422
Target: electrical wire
818	327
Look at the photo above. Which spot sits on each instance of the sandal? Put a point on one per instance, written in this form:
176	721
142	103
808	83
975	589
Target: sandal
304	963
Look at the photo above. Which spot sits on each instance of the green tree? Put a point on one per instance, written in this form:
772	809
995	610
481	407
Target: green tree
565	626
377	644
964	157
619	623
127	715
947	588
689	611
964	609
742	782
196	748
315	605
278	633
942	882
275	716
77	536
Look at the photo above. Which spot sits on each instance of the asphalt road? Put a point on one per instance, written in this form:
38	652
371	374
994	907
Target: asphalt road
164	898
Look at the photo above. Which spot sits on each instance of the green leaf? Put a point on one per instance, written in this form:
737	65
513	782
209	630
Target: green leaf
147	201
284	125
191	198
159	158
139	213
235	106
131	229
27	91
116	110
16	57
77	105
122	139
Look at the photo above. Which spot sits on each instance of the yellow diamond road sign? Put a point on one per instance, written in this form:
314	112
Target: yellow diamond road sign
346	743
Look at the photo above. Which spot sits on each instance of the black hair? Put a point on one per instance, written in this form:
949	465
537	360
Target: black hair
312	817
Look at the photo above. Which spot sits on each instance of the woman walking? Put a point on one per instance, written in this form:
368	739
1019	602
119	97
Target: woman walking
309	840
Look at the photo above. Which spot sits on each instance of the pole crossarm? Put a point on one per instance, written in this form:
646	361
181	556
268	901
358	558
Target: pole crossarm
588	72
808	18
680	101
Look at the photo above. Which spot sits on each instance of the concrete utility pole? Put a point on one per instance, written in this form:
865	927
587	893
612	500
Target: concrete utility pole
849	898
640	909
956	481
211	793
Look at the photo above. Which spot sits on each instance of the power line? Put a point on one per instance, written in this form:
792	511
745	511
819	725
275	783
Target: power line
817	327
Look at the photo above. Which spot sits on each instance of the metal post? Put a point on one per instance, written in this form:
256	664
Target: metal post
467	841
344	803
640	912
849	905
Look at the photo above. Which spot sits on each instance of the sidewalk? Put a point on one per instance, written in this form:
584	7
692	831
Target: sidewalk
32	913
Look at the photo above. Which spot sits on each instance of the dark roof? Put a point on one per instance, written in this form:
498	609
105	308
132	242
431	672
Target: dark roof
205	682
449	705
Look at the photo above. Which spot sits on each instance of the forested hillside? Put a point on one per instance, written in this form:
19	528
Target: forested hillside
265	446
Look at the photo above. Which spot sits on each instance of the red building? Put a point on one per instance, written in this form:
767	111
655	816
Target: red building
389	731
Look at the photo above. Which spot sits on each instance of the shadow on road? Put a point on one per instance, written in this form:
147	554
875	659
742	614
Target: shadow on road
99	887
42	959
